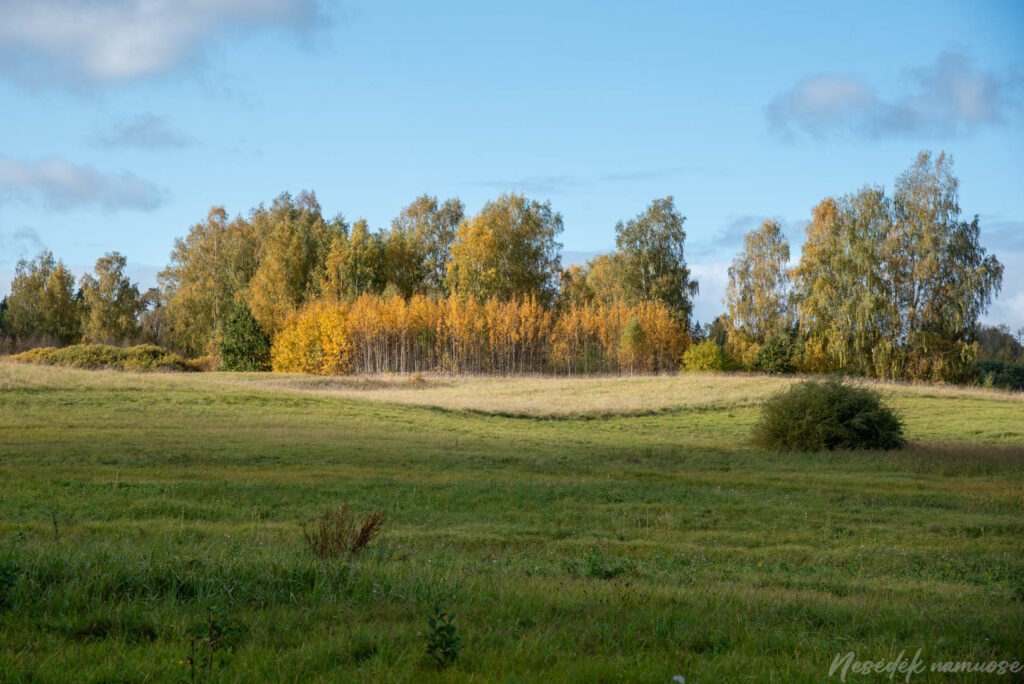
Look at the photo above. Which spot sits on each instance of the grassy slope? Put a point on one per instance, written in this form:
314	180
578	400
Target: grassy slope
616	548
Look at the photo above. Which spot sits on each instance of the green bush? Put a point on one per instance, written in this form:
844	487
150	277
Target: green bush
245	346
775	355
443	640
1001	374
818	416
706	356
144	357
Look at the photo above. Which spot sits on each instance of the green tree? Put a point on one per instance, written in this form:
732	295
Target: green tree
840	284
941	278
209	270
651	258
631	344
42	306
705	356
775	355
245	346
509	249
153	323
896	288
718	330
402	262
425	231
296	241
606	279
998	343
111	303
758	293
573	288
354	263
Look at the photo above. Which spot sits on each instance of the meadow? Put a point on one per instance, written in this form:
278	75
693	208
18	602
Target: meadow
580	529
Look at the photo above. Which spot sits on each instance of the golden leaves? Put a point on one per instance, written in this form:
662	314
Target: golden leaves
377	334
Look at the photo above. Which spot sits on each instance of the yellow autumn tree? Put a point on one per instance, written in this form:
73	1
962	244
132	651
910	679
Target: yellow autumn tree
314	340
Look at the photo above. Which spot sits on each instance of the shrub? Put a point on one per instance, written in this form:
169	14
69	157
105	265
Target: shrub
817	416
244	347
144	357
706	356
339	533
775	355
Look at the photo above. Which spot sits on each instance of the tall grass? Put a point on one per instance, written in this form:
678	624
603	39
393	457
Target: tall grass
598	548
339	532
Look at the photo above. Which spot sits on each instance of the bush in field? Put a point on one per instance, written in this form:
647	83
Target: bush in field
706	356
244	346
819	416
775	355
144	357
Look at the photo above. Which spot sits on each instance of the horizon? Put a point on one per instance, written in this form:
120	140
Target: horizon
122	145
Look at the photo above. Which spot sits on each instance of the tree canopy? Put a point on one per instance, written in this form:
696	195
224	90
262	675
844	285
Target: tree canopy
650	262
42	306
758	293
111	301
509	249
891	284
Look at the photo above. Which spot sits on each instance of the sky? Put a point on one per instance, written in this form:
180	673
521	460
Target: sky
124	121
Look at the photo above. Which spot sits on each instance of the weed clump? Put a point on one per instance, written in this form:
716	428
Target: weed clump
823	416
443	640
339	532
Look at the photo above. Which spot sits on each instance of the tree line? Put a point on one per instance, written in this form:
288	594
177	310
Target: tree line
890	285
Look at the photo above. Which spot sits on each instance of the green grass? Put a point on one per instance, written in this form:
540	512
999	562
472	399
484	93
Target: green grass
590	547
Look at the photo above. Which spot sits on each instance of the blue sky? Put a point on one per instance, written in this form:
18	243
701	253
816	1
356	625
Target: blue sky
124	120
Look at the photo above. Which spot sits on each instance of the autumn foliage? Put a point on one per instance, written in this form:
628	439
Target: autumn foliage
377	334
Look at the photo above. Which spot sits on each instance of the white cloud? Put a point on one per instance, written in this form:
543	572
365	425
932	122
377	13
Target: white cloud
20	242
147	132
713	276
949	97
820	102
1008	307
107	41
57	184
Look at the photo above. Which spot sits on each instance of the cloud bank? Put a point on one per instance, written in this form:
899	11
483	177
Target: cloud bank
950	97
59	185
112	41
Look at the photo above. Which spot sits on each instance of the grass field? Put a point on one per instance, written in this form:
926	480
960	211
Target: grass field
617	529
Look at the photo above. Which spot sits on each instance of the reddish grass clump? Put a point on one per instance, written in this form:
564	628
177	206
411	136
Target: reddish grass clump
339	532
